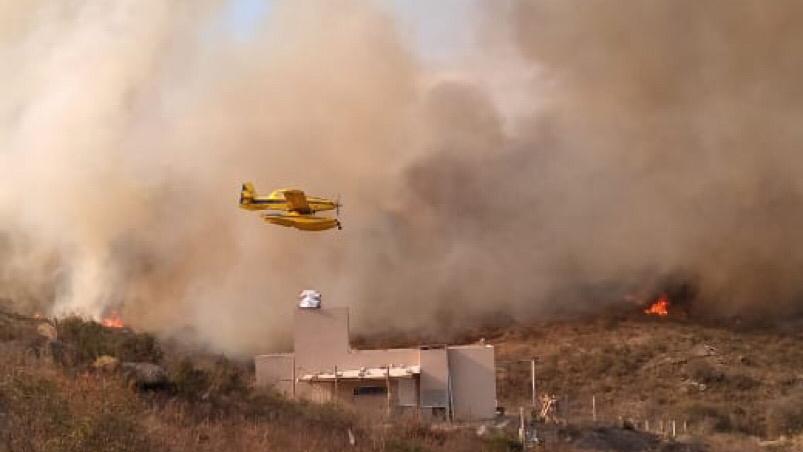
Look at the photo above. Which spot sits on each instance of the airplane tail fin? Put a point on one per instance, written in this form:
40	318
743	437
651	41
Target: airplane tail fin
247	194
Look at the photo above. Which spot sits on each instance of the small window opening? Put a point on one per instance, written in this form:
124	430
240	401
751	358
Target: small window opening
370	390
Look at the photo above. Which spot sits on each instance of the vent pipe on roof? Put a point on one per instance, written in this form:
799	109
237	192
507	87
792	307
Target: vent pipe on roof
309	299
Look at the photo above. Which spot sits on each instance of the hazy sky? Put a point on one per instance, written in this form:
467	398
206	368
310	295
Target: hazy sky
440	30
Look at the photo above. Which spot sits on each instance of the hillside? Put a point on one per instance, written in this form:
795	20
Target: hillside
73	385
734	386
732	390
725	385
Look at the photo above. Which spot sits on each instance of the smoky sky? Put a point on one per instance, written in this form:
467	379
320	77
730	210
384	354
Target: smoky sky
588	150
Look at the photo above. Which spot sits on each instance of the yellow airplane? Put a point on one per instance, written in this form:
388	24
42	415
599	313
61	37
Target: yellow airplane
297	209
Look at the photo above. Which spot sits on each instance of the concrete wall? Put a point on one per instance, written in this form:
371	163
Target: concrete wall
434	386
321	339
325	392
380	358
315	392
407	392
473	372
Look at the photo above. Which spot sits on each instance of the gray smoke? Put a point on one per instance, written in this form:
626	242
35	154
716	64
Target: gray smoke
663	147
590	149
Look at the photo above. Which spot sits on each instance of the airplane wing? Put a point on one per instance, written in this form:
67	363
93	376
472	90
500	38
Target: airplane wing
297	200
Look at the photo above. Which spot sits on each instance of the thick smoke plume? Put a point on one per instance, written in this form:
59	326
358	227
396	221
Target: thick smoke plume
662	153
641	140
127	127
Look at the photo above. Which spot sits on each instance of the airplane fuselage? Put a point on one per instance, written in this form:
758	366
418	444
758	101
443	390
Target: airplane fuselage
316	204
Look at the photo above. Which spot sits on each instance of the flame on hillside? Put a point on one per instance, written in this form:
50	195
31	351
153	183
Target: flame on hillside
660	307
113	320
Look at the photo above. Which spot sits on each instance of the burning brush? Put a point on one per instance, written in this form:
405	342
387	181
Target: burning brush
660	307
112	320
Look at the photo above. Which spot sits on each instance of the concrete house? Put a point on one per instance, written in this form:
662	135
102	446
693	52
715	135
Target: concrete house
456	382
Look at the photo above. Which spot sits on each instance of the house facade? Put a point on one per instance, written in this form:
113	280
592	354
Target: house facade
454	382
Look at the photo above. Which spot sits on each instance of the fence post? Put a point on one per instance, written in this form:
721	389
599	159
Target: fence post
522	432
294	377
336	397
387	383
532	378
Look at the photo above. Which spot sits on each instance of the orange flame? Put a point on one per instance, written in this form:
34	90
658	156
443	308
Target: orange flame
113	321
660	307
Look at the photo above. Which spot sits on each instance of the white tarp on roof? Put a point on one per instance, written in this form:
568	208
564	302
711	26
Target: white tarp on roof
365	373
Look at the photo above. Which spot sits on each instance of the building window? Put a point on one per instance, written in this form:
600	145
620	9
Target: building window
370	390
439	413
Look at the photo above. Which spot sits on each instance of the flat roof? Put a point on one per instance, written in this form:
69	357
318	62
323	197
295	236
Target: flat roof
365	373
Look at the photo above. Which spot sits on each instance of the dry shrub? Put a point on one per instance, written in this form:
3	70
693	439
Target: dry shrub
190	382
10	330
502	442
722	417
703	372
50	412
86	340
710	417
785	415
740	382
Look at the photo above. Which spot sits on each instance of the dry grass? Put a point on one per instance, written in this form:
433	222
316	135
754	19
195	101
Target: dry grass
715	378
64	406
732	385
732	388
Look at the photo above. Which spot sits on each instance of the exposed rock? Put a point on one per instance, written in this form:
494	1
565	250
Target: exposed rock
145	375
47	331
702	350
106	363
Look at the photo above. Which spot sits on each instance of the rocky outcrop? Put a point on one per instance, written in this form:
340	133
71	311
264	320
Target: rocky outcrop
145	375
